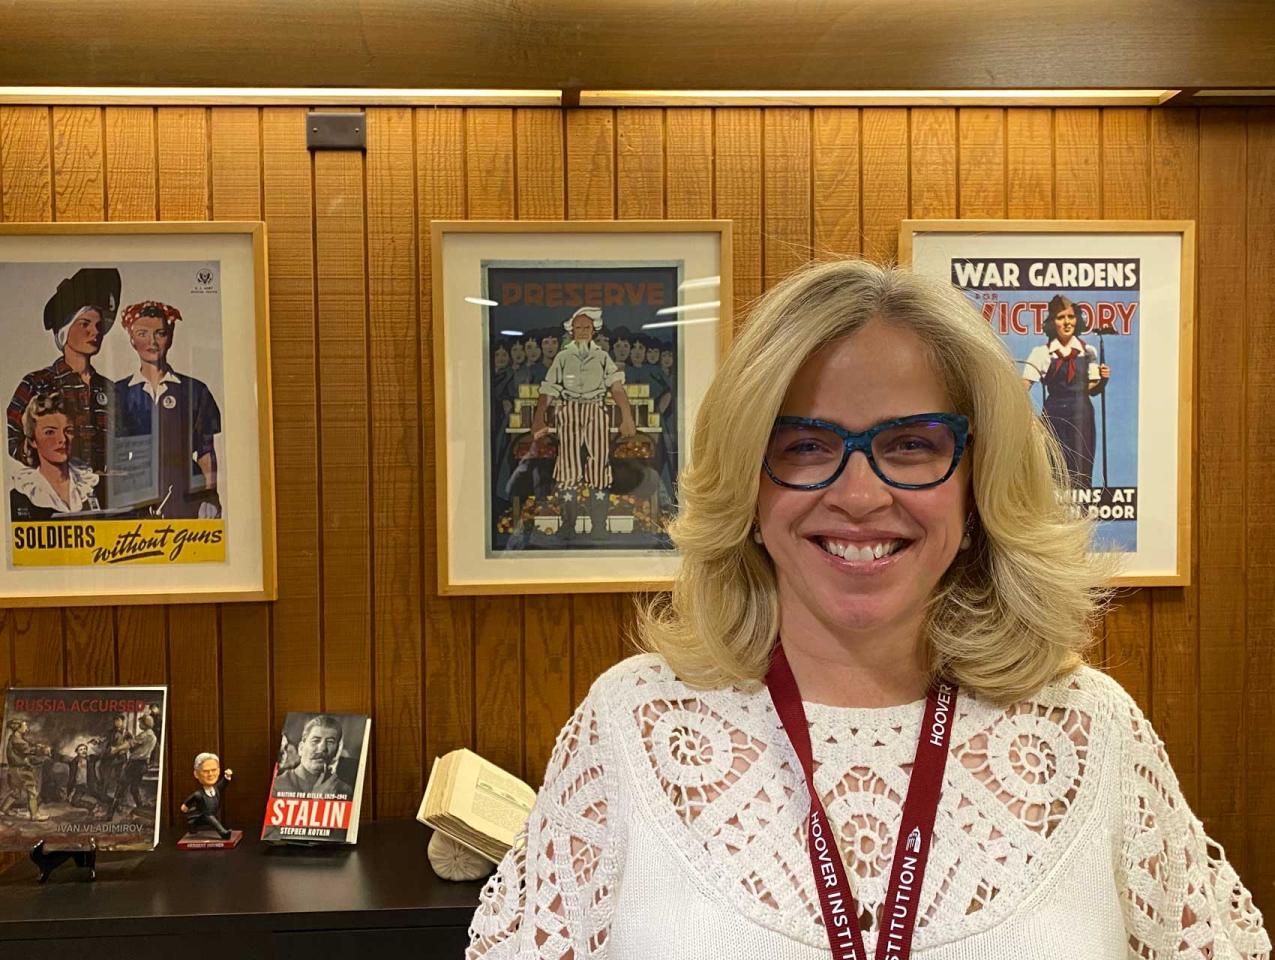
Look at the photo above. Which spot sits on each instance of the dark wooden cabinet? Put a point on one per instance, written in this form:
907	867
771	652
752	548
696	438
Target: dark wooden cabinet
375	901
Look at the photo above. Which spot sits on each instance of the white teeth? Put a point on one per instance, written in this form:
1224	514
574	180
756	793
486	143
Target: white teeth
848	551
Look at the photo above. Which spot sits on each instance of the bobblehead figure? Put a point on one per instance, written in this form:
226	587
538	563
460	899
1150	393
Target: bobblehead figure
203	807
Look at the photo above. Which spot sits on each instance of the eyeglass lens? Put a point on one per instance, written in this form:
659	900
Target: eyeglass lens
914	453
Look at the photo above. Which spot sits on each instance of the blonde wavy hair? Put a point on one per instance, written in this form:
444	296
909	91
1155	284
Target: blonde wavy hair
1013	612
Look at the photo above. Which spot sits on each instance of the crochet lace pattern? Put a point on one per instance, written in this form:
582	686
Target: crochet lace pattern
715	774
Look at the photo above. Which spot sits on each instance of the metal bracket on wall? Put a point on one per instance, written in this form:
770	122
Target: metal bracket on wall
335	131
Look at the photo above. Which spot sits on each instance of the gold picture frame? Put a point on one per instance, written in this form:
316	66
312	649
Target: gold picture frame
513	515
1121	276
150	478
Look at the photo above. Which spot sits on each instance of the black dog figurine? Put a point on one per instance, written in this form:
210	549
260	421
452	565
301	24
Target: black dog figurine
48	862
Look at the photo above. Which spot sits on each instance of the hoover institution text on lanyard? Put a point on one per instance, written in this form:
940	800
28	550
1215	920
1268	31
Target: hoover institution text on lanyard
840	913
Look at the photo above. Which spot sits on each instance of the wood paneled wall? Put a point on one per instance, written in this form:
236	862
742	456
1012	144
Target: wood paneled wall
358	625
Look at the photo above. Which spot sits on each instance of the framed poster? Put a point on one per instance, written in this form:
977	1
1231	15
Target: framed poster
569	361
1098	317
136	371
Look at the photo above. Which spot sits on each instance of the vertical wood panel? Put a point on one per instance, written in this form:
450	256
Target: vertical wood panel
1222	322
547	632
689	175
1175	186
130	163
595	618
78	194
25	167
933	162
786	217
1126	194
26	180
36	637
1029	170
738	188
590	164
183	163
344	422
247	738
640	193
835	160
1259	500
449	624
539	164
396	429
639	148
141	645
194	642
885	181
289	221
489	148
1077	138
1078	195
981	173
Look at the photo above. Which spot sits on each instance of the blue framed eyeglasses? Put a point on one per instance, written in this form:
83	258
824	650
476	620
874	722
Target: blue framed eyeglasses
911	453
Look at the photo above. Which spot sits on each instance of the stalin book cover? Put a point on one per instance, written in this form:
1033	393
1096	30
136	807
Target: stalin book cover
317	788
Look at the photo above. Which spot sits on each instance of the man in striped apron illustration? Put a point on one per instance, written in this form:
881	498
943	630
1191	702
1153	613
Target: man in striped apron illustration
580	377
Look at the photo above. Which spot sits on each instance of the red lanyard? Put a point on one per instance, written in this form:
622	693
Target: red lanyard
840	913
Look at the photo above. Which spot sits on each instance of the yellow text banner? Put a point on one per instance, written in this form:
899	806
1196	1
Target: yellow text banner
97	543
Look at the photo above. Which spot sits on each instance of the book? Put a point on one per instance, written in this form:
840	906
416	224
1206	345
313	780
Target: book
475	803
80	764
317	788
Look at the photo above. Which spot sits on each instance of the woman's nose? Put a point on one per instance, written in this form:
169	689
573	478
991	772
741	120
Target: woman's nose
858	491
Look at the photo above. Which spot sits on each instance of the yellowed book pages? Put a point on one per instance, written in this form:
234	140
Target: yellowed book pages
479	796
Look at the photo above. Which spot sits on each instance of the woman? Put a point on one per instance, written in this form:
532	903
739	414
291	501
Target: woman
52	482
78	315
173	416
1070	372
924	610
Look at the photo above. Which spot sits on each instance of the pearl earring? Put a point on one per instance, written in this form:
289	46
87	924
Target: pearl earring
966	538
757	538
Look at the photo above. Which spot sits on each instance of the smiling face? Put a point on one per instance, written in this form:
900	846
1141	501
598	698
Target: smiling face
638	353
532	350
500	358
151	337
53	435
209	772
666	359
84	334
880	373
516	354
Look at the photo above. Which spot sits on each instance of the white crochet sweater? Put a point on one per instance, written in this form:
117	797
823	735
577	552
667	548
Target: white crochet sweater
672	825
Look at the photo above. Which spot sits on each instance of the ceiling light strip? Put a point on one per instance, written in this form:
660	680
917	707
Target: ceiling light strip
873	98
274	96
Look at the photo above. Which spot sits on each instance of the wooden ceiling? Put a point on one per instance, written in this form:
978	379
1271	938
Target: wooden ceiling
642	44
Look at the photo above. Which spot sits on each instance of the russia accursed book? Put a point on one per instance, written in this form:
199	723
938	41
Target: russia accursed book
475	803
81	764
317	788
